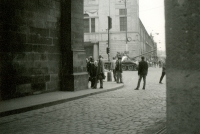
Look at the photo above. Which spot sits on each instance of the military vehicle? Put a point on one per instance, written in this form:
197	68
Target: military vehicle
128	63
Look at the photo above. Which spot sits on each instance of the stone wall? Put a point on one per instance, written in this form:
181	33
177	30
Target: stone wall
30	51
183	66
41	47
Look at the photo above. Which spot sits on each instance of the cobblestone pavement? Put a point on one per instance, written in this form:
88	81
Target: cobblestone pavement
123	111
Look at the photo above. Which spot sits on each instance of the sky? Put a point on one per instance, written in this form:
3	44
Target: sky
151	13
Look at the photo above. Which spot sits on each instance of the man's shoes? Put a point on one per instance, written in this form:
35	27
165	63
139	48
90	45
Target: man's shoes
93	87
143	88
136	89
160	82
101	87
121	82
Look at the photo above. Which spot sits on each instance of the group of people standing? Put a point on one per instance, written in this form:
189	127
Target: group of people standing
95	71
116	67
154	63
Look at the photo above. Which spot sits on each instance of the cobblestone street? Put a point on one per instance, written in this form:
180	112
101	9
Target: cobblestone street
123	111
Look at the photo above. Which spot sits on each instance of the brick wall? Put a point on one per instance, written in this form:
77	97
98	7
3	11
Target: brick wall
29	46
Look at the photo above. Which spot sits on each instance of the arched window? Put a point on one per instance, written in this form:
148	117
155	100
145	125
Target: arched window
89	24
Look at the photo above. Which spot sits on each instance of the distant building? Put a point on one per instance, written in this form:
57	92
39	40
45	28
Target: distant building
147	43
125	23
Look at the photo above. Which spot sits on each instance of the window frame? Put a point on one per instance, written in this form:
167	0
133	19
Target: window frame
123	23
91	24
123	20
92	20
86	29
123	11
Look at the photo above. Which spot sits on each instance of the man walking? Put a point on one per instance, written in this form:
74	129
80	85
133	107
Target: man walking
163	73
142	73
118	69
113	65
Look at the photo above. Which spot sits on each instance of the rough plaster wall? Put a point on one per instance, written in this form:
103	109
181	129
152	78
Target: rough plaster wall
183	66
103	15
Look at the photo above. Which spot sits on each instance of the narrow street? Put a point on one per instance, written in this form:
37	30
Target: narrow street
123	111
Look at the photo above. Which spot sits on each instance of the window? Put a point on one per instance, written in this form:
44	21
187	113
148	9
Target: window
92	24
123	23
122	11
86	26
123	19
89	25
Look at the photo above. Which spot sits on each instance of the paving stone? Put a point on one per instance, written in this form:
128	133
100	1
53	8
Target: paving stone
118	112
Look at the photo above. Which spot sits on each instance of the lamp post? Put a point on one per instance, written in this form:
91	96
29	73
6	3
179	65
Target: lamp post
109	74
109	19
126	25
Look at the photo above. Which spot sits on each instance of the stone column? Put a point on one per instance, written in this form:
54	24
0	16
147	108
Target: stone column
74	75
95	51
183	66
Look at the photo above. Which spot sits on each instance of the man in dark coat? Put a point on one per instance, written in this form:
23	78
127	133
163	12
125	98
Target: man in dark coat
142	73
100	72
88	68
93	73
118	69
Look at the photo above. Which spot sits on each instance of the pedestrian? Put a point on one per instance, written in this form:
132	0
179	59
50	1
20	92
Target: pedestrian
93	73
113	65
159	62
154	64
88	63
142	73
100	73
89	68
118	69
163	73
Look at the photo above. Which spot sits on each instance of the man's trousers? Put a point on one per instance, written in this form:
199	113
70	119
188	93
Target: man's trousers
163	74
144	80
119	76
114	74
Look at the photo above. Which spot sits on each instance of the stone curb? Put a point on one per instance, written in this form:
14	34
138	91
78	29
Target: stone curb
38	106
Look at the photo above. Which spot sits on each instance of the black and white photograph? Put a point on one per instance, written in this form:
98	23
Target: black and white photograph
99	67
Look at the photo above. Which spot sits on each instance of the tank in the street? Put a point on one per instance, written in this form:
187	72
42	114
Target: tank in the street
127	64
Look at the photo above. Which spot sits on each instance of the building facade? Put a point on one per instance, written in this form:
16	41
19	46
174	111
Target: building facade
125	25
147	44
